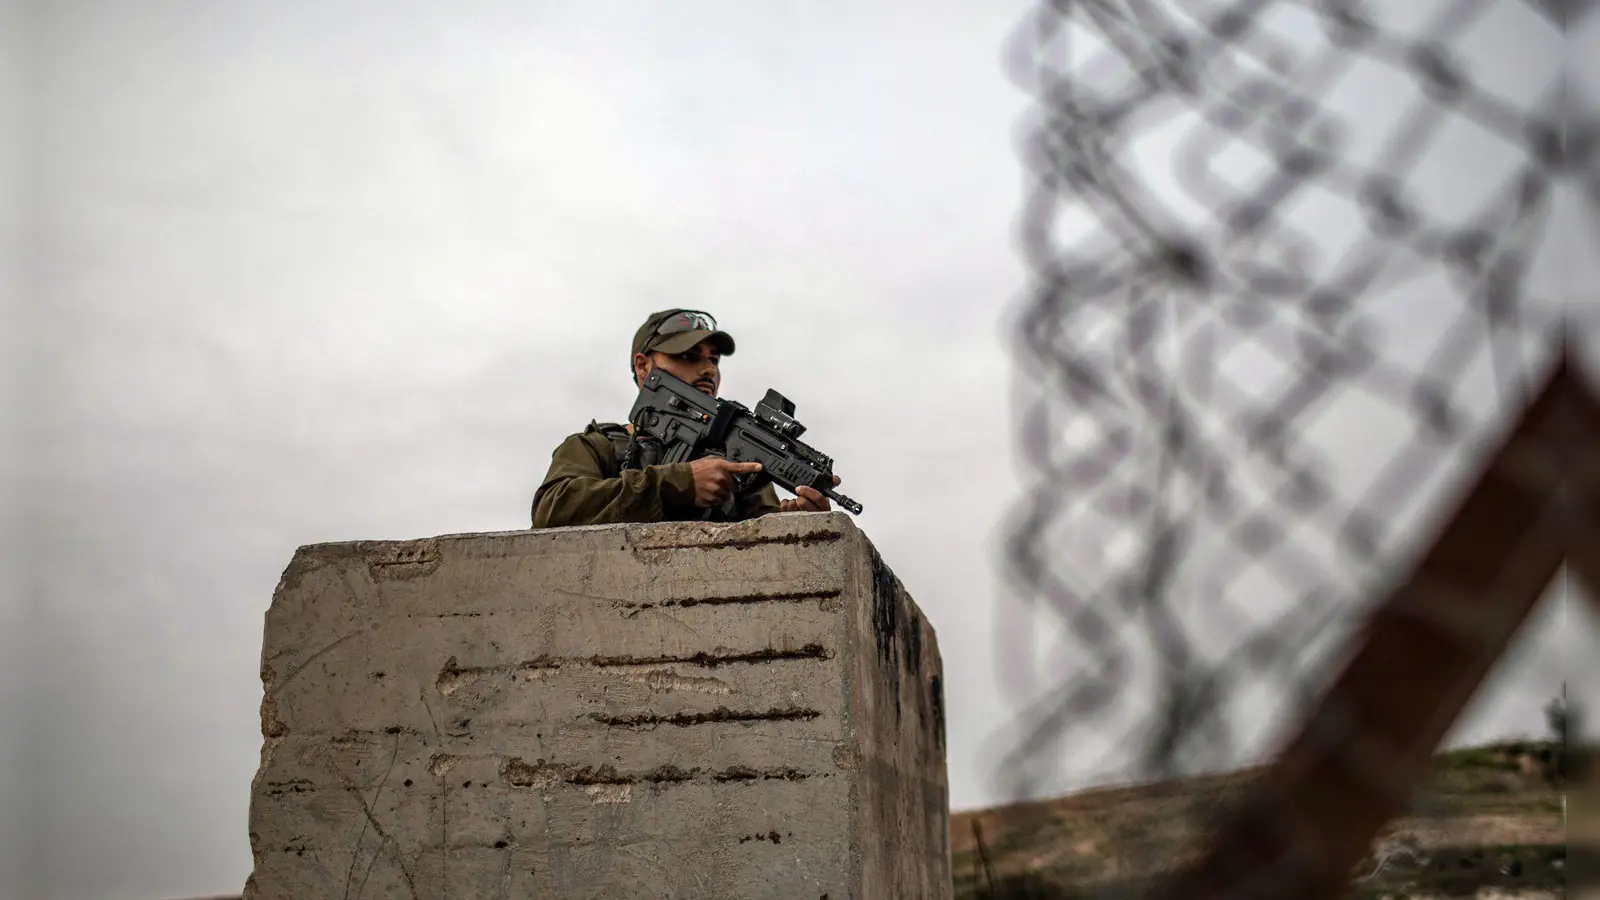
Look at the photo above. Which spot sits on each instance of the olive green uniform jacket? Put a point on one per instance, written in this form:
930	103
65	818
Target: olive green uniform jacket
586	485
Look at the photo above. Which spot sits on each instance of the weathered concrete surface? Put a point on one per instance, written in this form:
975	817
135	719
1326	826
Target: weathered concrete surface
680	710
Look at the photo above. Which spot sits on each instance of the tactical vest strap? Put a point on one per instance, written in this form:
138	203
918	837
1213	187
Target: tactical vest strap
628	451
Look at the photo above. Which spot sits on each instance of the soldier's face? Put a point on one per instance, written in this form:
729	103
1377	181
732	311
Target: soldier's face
700	366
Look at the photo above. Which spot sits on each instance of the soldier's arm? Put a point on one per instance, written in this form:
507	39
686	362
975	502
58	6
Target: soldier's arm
576	490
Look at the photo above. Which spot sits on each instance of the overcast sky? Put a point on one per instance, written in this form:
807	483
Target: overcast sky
301	272
16	626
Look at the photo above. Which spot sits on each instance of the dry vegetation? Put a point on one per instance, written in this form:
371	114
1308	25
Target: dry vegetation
1489	818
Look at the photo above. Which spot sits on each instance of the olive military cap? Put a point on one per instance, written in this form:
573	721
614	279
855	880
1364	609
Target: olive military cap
676	330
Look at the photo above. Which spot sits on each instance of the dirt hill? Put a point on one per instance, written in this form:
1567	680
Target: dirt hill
1488	818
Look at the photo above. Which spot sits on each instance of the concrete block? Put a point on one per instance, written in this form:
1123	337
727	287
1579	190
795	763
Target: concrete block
679	710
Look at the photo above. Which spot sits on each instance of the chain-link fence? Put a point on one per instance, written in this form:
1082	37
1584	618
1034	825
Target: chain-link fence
1296	267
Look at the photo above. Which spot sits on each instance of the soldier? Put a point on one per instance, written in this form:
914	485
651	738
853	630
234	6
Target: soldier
604	475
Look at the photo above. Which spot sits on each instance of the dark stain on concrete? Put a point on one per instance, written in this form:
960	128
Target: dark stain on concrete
804	539
719	715
521	774
785	597
454	676
885	623
745	773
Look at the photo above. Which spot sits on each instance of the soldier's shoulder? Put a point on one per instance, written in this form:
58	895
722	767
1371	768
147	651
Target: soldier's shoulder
596	435
602	435
598	443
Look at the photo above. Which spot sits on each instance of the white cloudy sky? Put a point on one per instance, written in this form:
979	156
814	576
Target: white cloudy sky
298	272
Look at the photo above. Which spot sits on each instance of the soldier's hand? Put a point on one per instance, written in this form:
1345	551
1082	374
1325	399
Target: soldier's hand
713	478
808	499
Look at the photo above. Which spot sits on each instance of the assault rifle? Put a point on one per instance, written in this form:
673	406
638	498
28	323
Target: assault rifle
690	425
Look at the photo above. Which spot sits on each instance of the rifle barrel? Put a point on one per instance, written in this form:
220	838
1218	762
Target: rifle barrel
843	501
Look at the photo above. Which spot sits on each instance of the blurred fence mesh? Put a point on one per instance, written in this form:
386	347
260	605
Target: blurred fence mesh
1293	266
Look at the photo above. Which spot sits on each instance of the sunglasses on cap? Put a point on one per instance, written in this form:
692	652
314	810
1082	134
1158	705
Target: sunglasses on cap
686	320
